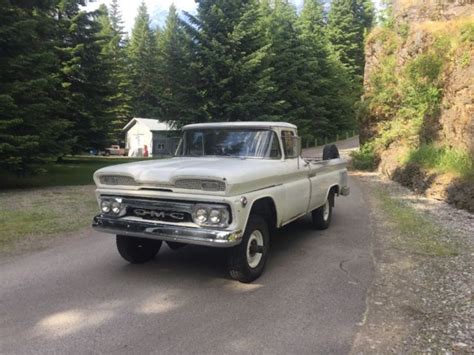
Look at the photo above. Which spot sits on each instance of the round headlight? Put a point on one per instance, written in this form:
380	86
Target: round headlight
201	215
105	206
116	207
215	216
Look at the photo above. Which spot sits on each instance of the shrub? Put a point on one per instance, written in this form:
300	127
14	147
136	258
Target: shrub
425	67
403	30
467	32
364	158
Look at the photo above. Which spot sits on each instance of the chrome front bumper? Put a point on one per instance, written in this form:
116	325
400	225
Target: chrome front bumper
166	232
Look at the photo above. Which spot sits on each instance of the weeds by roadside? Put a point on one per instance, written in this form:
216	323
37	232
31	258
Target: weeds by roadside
417	233
443	160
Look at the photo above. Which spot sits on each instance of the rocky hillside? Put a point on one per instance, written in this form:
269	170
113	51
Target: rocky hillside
417	112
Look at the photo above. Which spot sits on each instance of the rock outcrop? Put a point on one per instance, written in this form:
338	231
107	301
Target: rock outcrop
419	90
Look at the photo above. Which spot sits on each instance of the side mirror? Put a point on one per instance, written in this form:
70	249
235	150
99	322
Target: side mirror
297	146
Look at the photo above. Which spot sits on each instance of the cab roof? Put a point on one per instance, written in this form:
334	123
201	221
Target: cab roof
250	124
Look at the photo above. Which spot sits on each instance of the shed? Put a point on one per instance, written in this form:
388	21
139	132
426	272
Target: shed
149	136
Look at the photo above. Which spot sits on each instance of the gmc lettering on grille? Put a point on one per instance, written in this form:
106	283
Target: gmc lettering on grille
154	214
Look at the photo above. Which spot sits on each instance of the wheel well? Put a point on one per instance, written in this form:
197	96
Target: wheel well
265	207
335	190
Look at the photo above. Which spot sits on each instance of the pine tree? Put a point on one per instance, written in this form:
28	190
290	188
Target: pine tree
86	77
31	126
311	21
331	84
175	77
294	71
116	22
365	13
364	18
312	35
142	52
348	21
115	57
343	34
229	55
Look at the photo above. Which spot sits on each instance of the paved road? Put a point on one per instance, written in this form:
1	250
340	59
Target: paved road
81	297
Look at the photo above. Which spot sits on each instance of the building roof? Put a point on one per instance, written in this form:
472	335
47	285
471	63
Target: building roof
253	124
152	124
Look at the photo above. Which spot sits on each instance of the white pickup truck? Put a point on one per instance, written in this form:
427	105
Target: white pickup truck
229	186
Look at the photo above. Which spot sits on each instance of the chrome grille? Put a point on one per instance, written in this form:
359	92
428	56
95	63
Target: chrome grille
117	180
199	184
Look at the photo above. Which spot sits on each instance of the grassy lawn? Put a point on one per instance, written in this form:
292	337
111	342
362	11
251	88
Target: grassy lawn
29	217
34	208
71	171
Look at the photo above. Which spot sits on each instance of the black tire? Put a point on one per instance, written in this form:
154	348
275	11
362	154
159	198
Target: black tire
137	250
321	216
330	151
175	245
107	153
238	263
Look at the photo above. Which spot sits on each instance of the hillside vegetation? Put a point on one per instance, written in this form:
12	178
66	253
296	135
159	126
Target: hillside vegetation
417	114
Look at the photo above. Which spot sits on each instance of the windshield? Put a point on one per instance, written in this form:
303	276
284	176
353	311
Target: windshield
248	143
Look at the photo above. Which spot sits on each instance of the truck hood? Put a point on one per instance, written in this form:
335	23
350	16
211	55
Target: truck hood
239	174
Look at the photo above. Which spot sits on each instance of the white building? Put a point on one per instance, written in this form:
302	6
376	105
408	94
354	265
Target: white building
152	136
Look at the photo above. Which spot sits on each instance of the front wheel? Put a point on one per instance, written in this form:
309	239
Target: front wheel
137	250
247	260
321	216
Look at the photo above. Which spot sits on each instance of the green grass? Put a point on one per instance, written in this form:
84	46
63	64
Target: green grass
416	233
29	216
443	160
71	171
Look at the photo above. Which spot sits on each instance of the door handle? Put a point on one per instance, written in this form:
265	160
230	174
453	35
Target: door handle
312	175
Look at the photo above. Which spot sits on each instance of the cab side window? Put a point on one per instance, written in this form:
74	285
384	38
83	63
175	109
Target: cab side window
275	152
288	144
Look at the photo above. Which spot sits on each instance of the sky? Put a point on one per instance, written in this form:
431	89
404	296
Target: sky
158	9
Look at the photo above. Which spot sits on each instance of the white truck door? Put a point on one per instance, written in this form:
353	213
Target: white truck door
295	182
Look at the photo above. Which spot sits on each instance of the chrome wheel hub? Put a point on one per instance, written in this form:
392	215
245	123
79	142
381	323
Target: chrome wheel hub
255	248
326	209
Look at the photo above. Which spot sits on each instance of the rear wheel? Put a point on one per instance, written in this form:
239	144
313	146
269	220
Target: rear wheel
247	260
137	250
321	216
